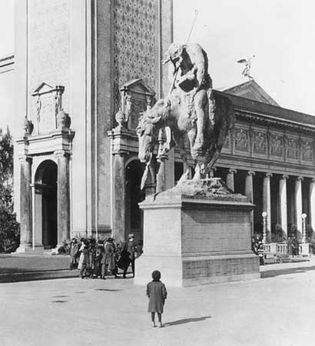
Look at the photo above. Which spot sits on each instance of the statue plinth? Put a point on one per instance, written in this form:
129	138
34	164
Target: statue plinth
198	232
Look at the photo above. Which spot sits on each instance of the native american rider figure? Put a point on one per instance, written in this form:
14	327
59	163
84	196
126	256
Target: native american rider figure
191	76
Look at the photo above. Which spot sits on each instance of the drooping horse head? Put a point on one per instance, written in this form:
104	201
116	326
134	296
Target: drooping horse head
148	129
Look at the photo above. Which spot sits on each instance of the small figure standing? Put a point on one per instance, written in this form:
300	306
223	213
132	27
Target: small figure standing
74	253
131	248
156	291
110	263
98	259
84	252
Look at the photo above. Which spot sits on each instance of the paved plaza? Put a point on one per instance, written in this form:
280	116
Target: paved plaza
277	310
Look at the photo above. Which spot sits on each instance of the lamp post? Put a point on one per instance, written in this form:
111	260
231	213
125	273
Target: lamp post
304	228
264	216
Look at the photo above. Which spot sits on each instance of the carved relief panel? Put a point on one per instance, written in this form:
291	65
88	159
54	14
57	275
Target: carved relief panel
292	148
241	140
260	143
307	150
276	145
136	97
46	103
227	144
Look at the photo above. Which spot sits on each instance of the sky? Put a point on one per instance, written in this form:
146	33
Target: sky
280	33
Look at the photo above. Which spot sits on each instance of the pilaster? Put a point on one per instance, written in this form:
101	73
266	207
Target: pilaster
230	179
119	197
283	203
312	203
298	203
249	192
267	200
25	204
63	199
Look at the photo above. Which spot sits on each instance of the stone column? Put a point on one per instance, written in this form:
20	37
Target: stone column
312	204
63	198
298	203
249	192
119	196
283	203
25	204
267	202
230	179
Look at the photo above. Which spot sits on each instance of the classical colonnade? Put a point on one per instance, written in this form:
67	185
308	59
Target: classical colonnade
292	204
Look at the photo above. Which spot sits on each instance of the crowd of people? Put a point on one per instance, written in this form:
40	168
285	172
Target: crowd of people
98	259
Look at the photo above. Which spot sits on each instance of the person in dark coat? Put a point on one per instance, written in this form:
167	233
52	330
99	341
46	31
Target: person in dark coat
124	260
99	252
131	248
156	291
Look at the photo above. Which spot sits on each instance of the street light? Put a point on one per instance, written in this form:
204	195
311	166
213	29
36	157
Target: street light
264	216
304	216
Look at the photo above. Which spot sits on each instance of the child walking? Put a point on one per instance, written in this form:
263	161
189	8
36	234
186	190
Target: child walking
156	291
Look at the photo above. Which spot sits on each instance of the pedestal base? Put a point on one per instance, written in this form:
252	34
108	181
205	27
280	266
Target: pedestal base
29	249
193	271
197	233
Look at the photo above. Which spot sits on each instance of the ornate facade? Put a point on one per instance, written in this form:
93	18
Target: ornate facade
78	65
84	72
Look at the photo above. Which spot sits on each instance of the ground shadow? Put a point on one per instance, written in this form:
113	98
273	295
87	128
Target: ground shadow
107	289
186	320
60	296
59	301
286	271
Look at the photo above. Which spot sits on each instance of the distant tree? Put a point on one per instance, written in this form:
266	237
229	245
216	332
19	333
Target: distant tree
9	227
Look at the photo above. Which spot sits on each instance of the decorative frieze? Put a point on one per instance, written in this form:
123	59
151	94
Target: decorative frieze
292	148
276	142
306	150
241	140
227	144
259	142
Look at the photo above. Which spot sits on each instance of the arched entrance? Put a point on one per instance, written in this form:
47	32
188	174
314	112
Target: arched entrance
45	203
134	217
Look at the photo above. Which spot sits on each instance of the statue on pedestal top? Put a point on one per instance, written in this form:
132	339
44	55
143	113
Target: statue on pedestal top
192	111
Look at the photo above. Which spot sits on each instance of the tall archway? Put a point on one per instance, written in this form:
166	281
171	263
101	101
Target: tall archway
134	216
45	203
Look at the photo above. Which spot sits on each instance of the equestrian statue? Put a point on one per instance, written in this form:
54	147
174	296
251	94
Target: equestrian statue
192	115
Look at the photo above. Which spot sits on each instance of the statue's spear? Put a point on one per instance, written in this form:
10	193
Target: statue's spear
188	38
168	132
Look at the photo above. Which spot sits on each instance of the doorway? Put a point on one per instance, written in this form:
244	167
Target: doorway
134	215
46	203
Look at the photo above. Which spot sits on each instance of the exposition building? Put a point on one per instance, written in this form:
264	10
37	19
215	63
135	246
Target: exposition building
84	72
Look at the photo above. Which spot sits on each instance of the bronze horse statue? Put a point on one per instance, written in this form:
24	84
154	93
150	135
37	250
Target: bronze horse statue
172	113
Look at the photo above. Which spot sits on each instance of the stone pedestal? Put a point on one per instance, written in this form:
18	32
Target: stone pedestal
197	233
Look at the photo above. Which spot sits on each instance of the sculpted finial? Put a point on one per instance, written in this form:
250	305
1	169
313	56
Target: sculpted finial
248	64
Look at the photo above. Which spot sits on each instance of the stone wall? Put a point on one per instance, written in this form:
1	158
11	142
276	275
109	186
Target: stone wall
48	46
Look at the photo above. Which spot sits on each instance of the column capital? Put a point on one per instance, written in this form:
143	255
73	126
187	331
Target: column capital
251	172
121	153
232	170
313	180
61	153
268	175
284	177
299	178
26	158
